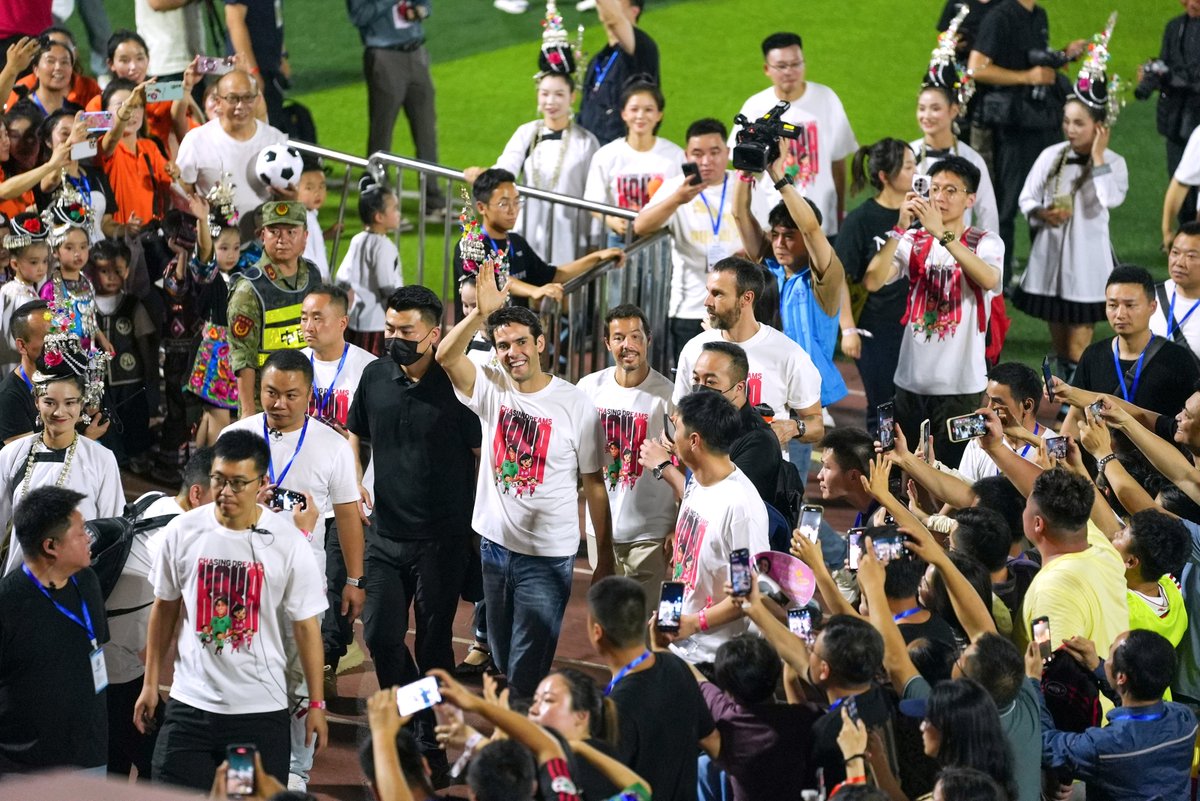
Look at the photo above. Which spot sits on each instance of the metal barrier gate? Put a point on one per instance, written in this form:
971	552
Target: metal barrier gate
575	328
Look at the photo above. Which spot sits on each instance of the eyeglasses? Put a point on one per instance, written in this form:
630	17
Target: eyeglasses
219	482
948	192
236	100
790	66
508	204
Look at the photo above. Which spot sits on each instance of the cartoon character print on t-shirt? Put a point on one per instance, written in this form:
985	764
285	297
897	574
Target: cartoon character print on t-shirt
228	598
519	451
635	190
802	161
689	537
330	407
624	433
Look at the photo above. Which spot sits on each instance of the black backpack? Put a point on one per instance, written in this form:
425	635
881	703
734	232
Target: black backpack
789	493
112	537
298	122
1072	693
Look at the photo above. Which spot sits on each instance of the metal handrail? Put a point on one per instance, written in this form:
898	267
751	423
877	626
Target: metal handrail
645	278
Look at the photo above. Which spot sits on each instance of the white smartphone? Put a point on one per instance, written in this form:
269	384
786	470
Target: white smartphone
421	694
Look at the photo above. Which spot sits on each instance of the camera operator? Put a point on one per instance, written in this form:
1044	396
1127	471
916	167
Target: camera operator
1020	101
1175	74
698	208
307	456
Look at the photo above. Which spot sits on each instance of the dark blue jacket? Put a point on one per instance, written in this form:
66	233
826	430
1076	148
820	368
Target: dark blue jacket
1143	754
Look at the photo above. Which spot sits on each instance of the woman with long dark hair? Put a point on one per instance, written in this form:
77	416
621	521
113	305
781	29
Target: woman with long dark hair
961	729
872	336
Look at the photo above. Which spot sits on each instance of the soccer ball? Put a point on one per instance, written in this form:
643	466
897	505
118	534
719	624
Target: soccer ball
279	166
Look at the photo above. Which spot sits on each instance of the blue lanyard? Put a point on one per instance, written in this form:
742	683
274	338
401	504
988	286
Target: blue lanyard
603	73
496	248
37	101
25	377
1171	324
623	672
1025	450
323	398
85	624
716	222
1137	373
858	519
295	453
836	704
83	185
906	613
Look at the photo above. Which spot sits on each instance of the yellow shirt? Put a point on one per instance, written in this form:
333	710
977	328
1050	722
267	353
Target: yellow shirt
1083	594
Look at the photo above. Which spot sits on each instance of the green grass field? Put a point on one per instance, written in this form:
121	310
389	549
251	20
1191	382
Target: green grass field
872	52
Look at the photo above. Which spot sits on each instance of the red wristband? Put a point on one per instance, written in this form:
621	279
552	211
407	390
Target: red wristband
703	618
316	704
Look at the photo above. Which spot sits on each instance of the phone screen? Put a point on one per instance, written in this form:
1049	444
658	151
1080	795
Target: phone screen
1057	447
968	426
239	774
670	606
1041	635
810	521
1047	376
854	538
739	571
800	623
1096	408
889	547
887	424
421	694
924	435
97	120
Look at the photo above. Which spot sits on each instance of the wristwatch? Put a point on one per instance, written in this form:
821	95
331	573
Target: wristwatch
782	182
947	237
658	471
358	583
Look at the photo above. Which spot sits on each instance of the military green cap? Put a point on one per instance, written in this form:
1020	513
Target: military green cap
283	212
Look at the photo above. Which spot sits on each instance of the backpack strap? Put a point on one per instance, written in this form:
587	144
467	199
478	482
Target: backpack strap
1164	303
1152	349
138	508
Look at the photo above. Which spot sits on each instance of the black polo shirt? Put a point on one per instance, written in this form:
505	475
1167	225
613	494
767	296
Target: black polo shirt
1009	32
17	411
421	442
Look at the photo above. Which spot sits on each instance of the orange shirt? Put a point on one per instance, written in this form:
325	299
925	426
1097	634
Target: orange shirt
134	181
83	89
158	119
18	204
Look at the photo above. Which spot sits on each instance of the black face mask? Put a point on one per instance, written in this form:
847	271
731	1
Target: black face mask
404	351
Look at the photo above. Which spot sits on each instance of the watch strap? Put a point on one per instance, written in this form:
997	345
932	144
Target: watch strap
1101	462
358	583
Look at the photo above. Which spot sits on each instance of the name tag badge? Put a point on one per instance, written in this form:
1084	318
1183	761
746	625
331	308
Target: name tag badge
716	252
99	669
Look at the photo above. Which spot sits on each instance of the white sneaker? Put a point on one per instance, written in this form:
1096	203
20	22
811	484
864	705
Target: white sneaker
585	5
512	6
297	783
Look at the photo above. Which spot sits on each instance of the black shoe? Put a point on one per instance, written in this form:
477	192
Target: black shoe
468	668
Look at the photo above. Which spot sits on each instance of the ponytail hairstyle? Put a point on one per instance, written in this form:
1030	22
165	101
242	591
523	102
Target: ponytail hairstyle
886	156
587	697
372	199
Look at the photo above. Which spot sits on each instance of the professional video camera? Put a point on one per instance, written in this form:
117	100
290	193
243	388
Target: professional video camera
1155	74
1054	59
758	142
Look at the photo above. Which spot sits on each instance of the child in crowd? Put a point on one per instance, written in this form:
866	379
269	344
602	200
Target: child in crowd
201	283
70	248
132	372
137	172
28	261
480	350
311	192
626	173
370	271
553	154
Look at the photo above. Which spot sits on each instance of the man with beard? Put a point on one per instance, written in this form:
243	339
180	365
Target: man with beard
782	376
634	402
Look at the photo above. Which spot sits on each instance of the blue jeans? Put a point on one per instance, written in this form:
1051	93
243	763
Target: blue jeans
526	597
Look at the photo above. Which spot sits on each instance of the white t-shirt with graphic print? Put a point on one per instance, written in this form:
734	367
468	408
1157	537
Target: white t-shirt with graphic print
535	447
240	591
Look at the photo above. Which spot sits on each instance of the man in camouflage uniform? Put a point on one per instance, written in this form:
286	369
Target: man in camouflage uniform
264	306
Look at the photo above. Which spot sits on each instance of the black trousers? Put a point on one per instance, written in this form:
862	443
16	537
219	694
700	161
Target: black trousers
1015	150
428	576
128	747
877	367
912	408
192	743
337	630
